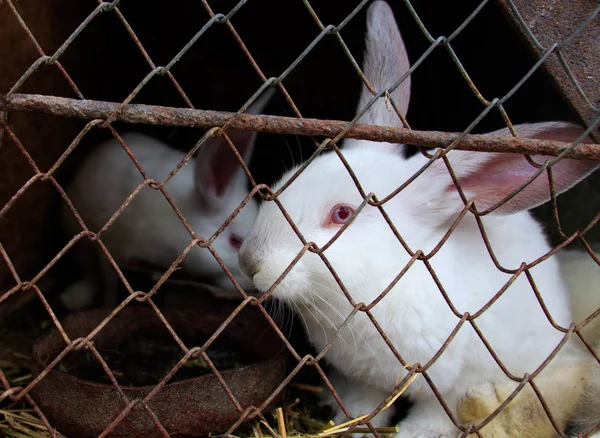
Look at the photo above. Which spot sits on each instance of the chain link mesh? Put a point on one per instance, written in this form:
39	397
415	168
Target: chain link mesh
104	115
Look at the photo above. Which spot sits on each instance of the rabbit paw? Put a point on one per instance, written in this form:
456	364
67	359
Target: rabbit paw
436	428
358	399
427	419
360	404
418	432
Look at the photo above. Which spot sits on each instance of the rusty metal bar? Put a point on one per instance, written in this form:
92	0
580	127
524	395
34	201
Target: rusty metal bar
168	116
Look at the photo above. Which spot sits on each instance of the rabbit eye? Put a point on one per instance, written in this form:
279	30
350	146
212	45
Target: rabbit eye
341	213
235	241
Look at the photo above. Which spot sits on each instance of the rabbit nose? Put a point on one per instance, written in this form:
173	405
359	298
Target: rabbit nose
249	263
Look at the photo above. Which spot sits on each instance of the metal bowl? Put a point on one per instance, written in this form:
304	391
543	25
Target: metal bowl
194	406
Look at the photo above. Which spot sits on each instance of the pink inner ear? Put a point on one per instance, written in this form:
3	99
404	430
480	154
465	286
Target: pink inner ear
503	173
223	165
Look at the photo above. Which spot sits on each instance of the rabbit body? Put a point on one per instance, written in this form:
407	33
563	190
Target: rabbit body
368	257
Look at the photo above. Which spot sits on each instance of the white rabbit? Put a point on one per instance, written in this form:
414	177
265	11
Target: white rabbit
367	257
206	191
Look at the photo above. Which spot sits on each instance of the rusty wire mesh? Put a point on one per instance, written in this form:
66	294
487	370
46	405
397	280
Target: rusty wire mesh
101	114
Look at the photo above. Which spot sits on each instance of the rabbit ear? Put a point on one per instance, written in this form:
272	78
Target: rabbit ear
488	178
218	171
385	61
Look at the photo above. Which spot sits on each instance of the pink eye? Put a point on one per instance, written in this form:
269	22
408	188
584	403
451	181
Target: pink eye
341	213
235	241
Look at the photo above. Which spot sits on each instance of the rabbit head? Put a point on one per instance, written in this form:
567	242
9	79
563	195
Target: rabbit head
368	255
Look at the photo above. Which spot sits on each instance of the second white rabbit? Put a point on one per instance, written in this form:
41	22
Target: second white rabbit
206	191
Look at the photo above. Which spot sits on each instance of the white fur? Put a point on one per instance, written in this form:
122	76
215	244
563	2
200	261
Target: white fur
588	411
149	230
582	275
367	256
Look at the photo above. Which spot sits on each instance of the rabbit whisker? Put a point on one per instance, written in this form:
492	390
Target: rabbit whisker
352	328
